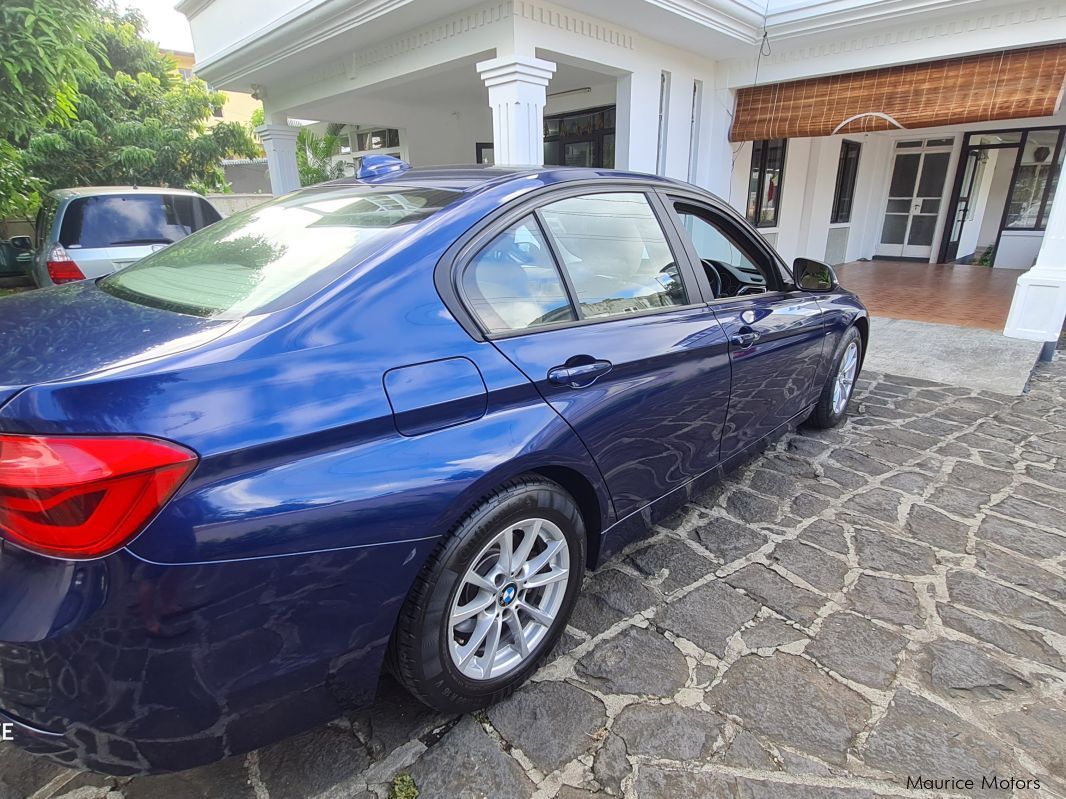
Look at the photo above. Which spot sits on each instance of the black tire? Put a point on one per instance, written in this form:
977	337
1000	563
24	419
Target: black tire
419	656
824	415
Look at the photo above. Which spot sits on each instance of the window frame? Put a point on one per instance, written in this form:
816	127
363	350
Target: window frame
764	151
595	136
847	146
453	265
551	254
1054	175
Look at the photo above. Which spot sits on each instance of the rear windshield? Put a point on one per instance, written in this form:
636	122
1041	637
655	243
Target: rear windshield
117	220
297	244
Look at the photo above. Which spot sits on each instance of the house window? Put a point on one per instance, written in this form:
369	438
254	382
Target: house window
581	138
1035	180
382	139
764	185
847	170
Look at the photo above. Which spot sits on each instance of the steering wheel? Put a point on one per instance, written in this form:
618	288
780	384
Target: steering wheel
715	279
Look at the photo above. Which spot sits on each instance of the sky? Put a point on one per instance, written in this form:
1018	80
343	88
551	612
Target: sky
165	25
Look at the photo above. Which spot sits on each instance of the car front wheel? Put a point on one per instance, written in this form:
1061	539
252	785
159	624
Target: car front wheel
833	402
494	598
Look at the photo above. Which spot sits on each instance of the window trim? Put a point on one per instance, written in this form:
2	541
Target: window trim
564	278
835	217
450	269
763	155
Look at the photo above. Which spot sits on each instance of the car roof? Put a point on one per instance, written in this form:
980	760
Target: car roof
470	178
103	191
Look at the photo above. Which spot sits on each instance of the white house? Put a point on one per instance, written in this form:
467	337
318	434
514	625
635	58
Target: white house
845	129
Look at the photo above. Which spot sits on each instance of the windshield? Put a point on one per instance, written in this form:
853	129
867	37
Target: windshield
117	220
250	260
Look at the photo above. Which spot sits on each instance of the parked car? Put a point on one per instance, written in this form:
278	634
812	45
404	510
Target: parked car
15	257
387	419
90	232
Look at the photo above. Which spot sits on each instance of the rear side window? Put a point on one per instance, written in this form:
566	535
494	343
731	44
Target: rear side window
615	253
513	284
116	220
275	253
43	225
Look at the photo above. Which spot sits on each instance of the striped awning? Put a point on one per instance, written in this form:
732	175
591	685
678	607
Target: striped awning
1009	84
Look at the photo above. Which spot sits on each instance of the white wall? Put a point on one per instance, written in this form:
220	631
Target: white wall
1018	249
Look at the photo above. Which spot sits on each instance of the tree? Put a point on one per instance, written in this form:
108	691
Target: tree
314	155
45	45
137	121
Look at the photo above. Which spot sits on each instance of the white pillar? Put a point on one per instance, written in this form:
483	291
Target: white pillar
637	121
279	141
1039	304
517	92
714	166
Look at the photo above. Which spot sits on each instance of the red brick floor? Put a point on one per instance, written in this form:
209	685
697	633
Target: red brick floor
970	296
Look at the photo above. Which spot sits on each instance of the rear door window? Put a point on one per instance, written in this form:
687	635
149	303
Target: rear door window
615	253
122	220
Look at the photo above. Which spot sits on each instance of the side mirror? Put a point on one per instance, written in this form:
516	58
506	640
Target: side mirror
811	275
22	243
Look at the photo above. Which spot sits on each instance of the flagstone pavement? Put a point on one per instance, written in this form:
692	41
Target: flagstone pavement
853	609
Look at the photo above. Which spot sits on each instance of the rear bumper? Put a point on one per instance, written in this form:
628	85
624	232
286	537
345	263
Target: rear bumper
126	667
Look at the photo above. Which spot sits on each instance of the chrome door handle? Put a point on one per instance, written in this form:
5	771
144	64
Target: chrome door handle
744	339
579	375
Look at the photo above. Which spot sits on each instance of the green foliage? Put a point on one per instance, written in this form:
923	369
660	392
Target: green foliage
403	787
136	122
46	48
19	192
313	153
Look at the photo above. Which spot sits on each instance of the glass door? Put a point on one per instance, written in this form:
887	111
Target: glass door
915	194
966	201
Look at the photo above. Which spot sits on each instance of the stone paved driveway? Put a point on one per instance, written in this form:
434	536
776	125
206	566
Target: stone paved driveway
854	608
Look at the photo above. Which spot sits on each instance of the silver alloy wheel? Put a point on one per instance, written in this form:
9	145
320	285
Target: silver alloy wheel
845	378
508	599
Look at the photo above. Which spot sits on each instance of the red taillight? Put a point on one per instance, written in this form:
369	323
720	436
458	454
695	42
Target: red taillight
83	497
61	267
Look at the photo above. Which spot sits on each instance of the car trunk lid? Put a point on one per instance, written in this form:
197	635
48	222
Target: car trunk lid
78	329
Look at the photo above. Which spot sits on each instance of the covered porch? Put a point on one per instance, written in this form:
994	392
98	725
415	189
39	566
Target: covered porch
927	149
949	294
511	83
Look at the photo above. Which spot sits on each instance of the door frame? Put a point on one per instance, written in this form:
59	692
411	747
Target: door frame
960	169
938	228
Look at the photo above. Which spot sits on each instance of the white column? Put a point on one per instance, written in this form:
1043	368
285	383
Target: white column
716	153
279	141
517	91
637	121
1039	304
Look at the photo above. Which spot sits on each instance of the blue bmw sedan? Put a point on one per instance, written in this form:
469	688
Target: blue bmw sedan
381	422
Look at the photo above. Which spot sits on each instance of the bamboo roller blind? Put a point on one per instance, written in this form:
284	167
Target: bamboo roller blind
1009	84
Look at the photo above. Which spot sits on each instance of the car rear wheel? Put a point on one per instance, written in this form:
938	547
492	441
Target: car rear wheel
494	598
833	402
